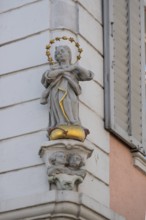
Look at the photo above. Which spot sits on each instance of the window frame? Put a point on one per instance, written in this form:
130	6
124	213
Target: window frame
109	77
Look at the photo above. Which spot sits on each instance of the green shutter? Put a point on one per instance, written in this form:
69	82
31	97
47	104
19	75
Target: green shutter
124	70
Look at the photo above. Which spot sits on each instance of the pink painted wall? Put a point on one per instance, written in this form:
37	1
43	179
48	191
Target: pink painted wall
127	183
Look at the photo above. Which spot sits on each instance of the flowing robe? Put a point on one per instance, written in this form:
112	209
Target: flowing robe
62	91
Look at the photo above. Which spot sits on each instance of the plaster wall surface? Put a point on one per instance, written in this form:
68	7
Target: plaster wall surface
26	28
127	183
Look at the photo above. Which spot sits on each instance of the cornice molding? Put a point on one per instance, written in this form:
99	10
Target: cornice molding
139	161
56	205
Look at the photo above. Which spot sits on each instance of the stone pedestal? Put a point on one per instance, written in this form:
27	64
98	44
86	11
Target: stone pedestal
66	163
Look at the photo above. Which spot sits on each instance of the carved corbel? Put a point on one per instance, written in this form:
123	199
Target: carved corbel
65	162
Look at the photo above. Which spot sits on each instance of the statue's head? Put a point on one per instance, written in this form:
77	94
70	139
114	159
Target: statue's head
58	158
75	160
63	54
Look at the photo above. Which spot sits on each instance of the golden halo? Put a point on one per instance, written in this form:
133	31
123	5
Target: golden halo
71	39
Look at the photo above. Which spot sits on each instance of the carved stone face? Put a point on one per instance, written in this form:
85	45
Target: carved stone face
62	54
58	158
75	161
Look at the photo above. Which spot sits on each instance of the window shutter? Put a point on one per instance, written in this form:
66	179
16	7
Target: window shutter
124	70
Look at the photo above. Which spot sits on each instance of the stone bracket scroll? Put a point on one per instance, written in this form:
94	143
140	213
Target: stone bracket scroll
65	162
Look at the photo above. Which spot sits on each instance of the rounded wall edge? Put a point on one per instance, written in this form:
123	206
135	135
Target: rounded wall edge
56	205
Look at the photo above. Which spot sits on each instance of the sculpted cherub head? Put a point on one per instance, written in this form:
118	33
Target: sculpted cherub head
58	158
75	161
63	54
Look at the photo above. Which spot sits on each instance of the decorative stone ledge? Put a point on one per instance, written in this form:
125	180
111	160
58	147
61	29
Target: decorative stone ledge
139	161
57	205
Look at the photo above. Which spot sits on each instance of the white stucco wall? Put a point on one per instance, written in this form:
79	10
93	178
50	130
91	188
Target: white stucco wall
26	27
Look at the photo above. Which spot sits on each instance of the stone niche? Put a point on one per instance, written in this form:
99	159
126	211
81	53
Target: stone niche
65	162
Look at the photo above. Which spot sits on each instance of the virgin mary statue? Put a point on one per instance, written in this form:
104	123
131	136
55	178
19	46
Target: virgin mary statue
62	91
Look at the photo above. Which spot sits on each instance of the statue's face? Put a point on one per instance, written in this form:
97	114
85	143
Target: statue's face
62	54
61	158
75	160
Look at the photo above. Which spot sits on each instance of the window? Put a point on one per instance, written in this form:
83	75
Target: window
124	71
145	33
145	49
